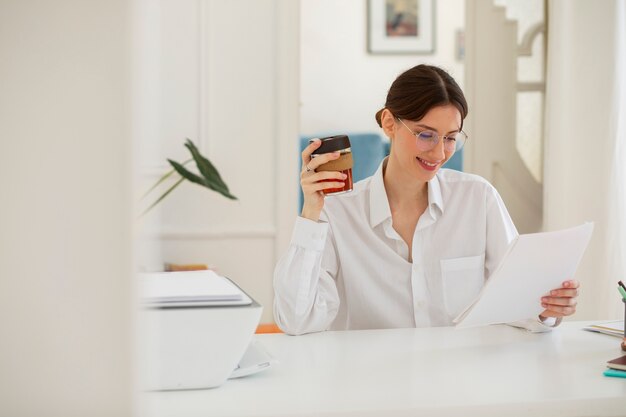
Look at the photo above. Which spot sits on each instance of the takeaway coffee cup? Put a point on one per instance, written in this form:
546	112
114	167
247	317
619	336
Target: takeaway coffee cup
341	144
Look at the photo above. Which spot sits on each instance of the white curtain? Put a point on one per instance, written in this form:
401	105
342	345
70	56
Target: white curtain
585	146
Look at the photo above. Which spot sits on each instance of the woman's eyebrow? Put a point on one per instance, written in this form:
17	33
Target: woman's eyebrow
432	128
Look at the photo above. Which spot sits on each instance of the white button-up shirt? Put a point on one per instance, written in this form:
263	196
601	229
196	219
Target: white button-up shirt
351	270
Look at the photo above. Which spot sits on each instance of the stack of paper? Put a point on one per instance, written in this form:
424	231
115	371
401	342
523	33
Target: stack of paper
612	328
190	288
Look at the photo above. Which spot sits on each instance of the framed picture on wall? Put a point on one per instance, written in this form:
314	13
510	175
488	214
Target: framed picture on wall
401	26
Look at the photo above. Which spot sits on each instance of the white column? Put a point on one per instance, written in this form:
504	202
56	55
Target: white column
584	154
65	212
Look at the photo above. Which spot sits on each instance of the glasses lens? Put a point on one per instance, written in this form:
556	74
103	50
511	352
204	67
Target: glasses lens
427	139
460	139
455	141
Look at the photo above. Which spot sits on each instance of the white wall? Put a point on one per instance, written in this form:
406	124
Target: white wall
230	85
342	85
65	222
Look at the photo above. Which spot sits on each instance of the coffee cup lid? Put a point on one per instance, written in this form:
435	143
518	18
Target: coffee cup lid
333	144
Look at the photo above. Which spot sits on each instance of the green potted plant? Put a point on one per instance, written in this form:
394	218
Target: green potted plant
207	176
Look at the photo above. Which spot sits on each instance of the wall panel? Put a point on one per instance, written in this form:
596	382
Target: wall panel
228	80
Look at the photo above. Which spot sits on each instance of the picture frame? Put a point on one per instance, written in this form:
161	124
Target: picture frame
401	26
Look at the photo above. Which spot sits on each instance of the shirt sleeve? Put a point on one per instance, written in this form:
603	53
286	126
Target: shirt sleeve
305	293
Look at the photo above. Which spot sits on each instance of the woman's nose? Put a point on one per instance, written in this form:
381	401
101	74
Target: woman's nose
438	151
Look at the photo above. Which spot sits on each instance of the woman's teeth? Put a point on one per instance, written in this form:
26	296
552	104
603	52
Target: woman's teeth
430	164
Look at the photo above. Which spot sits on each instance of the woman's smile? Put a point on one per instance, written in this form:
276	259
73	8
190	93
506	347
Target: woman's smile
427	165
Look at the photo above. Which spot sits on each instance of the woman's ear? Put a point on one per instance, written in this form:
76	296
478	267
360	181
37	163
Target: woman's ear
388	122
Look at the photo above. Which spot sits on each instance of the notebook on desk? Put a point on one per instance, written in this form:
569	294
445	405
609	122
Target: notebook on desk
191	289
611	328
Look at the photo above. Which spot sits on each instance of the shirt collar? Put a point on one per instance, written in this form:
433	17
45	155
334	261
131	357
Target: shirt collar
379	204
435	199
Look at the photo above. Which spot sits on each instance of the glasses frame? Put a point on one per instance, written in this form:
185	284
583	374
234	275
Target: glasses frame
435	141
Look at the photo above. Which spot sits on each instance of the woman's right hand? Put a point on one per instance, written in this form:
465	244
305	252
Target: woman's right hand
312	182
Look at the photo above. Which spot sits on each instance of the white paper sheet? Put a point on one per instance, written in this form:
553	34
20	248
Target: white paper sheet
188	288
533	265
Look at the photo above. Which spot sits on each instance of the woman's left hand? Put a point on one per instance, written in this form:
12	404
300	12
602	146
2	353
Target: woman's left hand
562	301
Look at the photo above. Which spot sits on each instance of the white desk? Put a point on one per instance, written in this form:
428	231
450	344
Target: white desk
490	371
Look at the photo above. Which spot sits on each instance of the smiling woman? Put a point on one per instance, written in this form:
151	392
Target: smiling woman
411	245
438	113
434	149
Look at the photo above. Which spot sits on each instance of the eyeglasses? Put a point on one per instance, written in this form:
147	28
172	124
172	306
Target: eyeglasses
428	139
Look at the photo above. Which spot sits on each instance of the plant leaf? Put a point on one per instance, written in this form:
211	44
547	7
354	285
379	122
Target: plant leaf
206	168
199	180
163	196
163	178
185	173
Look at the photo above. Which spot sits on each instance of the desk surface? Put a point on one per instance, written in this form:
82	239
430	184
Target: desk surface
488	371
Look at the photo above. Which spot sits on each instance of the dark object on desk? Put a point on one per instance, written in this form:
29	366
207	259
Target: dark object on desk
617	363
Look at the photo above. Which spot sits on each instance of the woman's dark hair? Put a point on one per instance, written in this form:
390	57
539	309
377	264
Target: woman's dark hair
421	88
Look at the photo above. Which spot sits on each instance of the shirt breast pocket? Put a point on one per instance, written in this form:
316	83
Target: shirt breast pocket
462	280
